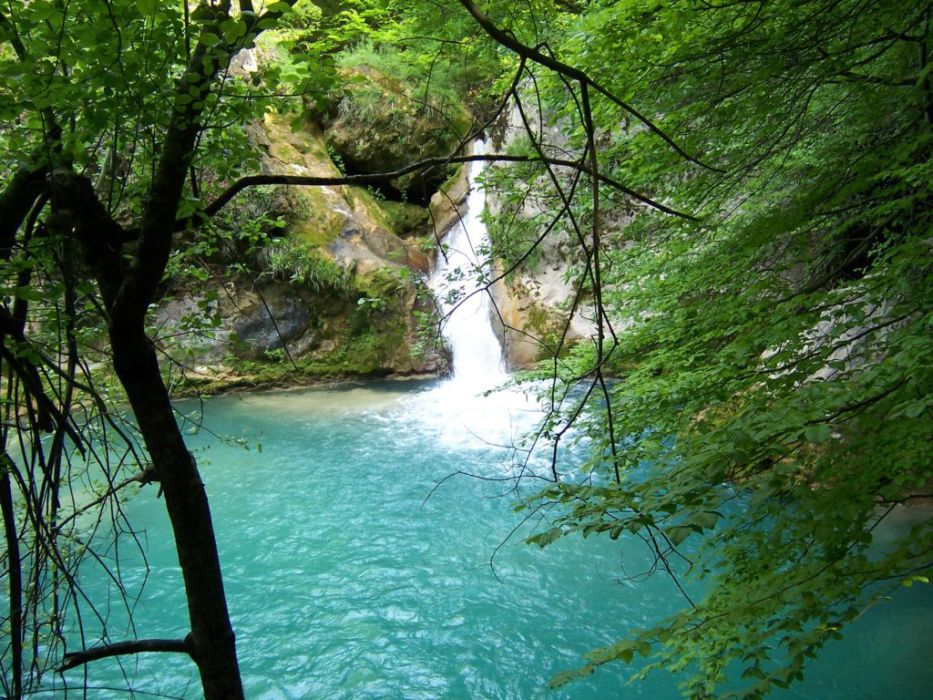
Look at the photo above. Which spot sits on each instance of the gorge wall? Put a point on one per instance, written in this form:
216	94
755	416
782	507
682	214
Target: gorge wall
336	288
332	283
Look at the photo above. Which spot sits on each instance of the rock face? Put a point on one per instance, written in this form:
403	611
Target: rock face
270	321
535	300
534	310
341	291
532	303
339	295
448	204
356	229
249	323
324	335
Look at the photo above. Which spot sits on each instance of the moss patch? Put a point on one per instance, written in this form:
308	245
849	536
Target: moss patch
312	213
381	126
303	145
366	353
311	216
403	218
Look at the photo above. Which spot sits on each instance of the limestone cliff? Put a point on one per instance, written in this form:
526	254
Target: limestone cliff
537	309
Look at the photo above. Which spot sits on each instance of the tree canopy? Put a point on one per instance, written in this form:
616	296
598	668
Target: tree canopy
108	105
772	357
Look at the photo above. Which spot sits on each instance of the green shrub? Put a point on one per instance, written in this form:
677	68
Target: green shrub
298	262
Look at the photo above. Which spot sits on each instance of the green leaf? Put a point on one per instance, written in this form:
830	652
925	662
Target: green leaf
818	433
209	40
562	679
28	294
233	29
705	520
678	534
545	538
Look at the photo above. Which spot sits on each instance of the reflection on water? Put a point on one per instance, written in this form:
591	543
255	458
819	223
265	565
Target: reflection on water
344	582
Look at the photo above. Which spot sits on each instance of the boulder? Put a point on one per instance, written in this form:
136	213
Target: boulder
380	127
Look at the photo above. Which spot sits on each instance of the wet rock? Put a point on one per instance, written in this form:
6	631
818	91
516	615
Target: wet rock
268	327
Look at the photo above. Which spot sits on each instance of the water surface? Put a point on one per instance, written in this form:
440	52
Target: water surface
345	582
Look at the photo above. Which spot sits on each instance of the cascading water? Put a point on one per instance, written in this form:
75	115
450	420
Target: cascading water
459	279
476	408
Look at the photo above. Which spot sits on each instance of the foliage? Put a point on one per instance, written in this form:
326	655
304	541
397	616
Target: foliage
772	401
438	79
233	243
297	262
382	122
524	208
121	119
321	42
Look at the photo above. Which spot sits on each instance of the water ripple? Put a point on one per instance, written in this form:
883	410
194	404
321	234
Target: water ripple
343	584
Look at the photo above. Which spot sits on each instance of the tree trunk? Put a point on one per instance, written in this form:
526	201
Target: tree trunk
128	288
15	573
212	639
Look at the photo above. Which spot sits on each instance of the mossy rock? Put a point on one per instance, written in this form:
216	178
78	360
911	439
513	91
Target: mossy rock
380	127
295	145
405	219
311	217
293	138
448	204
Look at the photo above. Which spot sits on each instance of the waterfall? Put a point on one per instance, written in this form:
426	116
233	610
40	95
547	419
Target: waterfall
458	282
475	409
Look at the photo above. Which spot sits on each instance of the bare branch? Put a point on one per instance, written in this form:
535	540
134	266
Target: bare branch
136	646
380	178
